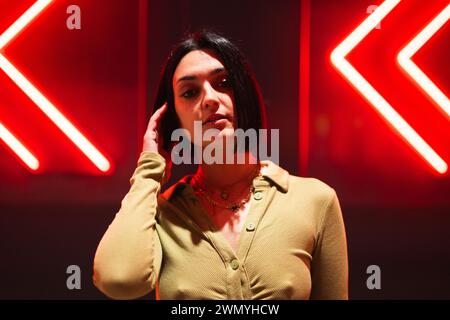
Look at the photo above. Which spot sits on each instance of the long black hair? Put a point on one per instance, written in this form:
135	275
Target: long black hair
249	105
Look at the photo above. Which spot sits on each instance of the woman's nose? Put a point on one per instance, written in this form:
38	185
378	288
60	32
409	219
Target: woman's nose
210	99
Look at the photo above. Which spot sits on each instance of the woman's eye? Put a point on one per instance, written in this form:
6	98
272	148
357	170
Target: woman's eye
189	93
224	82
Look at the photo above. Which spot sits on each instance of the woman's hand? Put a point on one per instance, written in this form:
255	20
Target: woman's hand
153	138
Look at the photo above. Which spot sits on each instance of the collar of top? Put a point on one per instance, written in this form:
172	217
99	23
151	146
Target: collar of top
271	174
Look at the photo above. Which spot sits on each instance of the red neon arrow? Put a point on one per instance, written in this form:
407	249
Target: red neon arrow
417	75
85	146
18	148
371	94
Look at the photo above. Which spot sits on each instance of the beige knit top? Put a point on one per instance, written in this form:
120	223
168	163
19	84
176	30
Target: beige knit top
292	245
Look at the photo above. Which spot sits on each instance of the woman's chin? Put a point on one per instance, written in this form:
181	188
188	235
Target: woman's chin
227	132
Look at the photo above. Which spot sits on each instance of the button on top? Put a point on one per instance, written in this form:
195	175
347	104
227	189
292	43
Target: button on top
250	226
234	264
258	195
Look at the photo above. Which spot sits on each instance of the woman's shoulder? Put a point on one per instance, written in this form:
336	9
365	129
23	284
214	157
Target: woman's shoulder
308	197
311	185
297	185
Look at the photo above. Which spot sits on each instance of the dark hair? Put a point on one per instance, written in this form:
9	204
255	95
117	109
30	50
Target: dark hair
249	105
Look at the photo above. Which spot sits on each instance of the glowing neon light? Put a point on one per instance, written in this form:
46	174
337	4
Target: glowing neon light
405	55
18	148
371	94
85	146
20	24
10	140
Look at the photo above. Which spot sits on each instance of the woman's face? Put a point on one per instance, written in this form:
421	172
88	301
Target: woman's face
202	90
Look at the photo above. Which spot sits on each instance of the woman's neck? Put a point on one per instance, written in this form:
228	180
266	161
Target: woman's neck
228	176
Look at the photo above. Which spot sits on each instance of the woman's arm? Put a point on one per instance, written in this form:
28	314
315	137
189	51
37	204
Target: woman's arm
329	267
128	259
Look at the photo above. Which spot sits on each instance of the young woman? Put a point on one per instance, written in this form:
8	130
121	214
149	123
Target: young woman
232	230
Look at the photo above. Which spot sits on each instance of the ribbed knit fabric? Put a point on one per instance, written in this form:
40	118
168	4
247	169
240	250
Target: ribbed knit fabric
292	246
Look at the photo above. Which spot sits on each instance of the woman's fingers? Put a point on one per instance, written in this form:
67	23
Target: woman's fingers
156	117
152	138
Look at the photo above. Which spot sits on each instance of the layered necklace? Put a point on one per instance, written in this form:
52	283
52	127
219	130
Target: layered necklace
207	193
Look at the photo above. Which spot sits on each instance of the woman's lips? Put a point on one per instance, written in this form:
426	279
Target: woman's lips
217	123
215	119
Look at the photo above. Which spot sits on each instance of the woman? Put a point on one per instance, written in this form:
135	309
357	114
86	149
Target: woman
230	231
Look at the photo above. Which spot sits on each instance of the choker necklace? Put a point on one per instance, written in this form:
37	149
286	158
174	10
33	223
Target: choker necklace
233	206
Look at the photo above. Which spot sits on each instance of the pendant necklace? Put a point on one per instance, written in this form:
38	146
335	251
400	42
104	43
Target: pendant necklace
202	189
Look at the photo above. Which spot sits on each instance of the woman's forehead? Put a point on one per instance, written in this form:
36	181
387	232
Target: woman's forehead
197	63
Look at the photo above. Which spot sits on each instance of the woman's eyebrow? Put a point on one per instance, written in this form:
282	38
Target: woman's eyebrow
193	77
